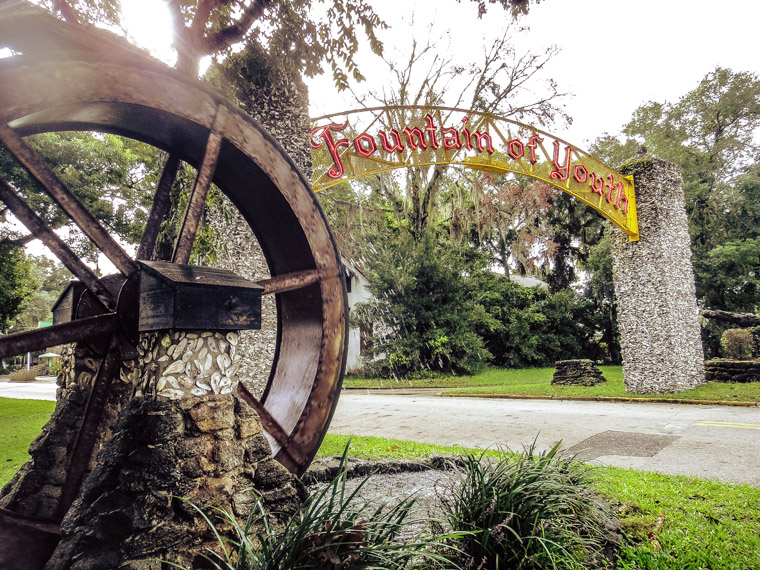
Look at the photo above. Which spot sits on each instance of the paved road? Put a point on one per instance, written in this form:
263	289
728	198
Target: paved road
717	442
43	389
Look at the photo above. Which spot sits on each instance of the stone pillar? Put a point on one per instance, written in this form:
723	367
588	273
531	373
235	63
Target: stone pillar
174	431
654	286
184	439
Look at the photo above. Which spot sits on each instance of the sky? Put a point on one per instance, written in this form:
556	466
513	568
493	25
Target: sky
614	55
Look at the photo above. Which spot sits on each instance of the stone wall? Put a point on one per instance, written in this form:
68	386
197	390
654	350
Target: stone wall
654	286
581	372
136	507
722	370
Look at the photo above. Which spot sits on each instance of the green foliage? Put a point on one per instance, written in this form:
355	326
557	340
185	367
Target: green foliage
531	327
113	177
529	511
333	529
729	276
425	316
51	278
737	344
17	283
600	290
710	133
574	228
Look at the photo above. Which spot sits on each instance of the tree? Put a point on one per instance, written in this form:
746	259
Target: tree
425	316
504	82
600	290
505	218
529	326
711	133
51	278
112	176
16	282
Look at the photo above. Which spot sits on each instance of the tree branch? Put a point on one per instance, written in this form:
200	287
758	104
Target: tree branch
232	34
67	11
19	242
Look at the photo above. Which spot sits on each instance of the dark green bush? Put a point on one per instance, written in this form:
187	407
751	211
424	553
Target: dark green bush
529	511
425	315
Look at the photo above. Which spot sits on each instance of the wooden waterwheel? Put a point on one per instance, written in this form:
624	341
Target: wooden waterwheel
65	79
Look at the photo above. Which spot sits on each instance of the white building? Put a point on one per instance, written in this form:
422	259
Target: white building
358	292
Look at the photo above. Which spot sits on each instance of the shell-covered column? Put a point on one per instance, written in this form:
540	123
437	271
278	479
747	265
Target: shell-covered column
654	286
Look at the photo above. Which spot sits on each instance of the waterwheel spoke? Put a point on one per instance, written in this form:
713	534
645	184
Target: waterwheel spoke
271	425
44	175
289	281
197	199
55	244
90	427
40	339
160	209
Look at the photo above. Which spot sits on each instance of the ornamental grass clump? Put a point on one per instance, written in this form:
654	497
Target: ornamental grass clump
525	511
334	529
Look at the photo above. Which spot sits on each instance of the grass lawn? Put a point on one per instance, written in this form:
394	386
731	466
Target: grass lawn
20	422
706	524
537	382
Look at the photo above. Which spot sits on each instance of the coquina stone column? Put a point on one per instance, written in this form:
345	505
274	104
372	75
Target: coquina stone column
654	286
183	441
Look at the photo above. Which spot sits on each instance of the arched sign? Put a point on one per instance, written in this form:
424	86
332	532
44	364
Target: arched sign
357	143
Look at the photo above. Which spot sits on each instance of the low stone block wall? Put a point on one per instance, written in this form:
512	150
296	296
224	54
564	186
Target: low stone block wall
580	372
722	370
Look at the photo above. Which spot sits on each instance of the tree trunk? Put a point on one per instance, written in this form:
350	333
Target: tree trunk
742	320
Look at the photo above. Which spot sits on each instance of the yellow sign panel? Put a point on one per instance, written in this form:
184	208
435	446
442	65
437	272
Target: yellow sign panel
368	141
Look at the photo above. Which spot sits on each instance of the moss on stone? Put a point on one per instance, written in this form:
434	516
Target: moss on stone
635	165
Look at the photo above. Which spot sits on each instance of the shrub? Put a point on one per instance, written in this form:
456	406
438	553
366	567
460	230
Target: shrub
528	511
425	314
24	375
737	344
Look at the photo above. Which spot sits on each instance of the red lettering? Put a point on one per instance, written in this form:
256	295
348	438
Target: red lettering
420	138
562	170
484	137
611	187
398	147
619	196
580	173
625	204
431	128
515	149
371	146
597	188
466	133
532	145
332	145
451	139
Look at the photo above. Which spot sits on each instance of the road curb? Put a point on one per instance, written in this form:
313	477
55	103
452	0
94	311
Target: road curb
605	399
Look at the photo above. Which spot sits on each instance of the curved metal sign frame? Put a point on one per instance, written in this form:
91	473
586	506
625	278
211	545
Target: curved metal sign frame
352	144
